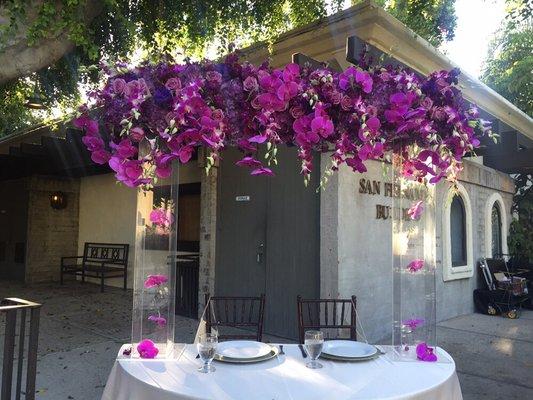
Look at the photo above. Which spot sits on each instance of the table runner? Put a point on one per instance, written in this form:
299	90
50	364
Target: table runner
282	378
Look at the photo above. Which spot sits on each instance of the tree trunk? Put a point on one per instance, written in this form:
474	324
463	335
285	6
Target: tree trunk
18	59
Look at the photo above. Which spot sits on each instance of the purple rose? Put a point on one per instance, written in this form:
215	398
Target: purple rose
427	103
173	84
213	77
137	134
119	85
250	84
346	103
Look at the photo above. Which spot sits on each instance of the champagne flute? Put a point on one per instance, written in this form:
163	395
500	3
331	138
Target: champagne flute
207	347
314	340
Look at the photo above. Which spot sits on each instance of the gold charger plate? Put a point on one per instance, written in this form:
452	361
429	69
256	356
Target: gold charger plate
273	353
350	359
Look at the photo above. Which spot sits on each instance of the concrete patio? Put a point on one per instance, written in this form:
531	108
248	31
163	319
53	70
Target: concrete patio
82	330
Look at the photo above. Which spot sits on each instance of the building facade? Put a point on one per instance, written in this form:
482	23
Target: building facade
272	235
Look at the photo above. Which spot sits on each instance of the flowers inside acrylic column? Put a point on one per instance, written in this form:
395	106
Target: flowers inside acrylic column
365	112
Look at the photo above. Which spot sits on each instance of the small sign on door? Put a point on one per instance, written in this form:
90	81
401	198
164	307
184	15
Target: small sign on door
242	198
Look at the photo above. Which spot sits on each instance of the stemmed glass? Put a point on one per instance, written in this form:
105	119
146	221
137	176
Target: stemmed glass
207	347
314	340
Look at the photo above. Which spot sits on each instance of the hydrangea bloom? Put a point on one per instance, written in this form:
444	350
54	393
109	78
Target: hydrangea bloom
365	112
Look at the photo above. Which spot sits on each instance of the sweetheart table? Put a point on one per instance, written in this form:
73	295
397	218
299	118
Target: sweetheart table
283	378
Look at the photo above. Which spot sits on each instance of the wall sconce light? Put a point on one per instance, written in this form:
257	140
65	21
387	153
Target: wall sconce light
58	200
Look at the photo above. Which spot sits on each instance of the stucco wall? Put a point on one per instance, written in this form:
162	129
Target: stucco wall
107	213
356	251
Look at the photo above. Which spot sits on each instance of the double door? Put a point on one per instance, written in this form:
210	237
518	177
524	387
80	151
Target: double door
268	237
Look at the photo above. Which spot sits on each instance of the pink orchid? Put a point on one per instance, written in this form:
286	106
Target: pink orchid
248	162
262	171
155	280
416	210
415	265
162	217
364	79
425	353
88	124
93	143
147	349
158	320
322	126
100	156
413	323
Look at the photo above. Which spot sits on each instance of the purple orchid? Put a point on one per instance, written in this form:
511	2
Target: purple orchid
413	323
415	265
155	280
158	320
147	349
416	210
425	353
362	113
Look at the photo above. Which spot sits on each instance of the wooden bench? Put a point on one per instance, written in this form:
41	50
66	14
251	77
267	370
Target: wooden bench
99	260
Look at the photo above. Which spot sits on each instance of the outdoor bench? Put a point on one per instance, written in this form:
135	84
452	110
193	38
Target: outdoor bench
99	260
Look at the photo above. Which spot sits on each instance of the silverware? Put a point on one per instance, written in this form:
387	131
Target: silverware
301	347
281	352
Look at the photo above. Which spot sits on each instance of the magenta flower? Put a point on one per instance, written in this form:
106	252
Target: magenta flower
158	320
413	323
425	353
262	171
248	162
362	113
100	156
162	217
155	280
415	265
147	349
93	143
416	210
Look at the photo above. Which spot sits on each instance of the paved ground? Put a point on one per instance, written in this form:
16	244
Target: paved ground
82	330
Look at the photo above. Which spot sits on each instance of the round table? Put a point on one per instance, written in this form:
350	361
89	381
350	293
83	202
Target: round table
283	378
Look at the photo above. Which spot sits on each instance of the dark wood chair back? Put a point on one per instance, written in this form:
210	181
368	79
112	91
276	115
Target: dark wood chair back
241	317
329	315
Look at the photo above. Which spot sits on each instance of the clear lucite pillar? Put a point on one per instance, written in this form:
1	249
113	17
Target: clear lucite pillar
413	225
153	316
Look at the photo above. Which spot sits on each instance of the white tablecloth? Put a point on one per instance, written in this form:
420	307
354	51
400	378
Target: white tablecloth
282	378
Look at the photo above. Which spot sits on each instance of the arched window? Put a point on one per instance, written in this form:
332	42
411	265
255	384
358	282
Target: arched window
458	232
457	244
496	219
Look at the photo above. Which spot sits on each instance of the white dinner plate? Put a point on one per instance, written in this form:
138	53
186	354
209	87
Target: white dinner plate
243	349
348	349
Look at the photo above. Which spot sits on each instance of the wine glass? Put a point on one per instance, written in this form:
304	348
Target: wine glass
314	340
207	347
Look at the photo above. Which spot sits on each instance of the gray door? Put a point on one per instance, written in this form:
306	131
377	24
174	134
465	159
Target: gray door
282	215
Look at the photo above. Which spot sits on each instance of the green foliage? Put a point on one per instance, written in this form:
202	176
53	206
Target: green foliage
507	70
509	64
434	20
123	28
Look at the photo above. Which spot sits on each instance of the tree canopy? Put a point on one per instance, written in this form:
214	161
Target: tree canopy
55	44
507	69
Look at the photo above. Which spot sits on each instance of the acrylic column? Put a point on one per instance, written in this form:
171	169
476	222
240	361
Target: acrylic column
413	224
155	269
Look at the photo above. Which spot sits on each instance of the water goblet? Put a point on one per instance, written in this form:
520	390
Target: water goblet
314	340
207	347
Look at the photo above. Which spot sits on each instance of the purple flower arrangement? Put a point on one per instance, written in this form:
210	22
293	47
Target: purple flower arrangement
363	113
